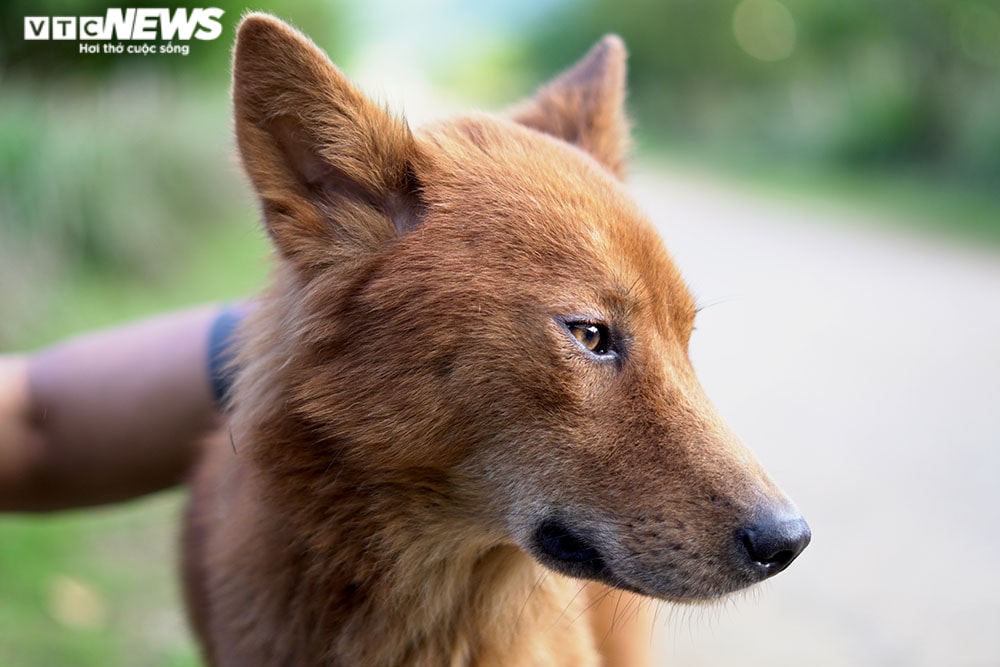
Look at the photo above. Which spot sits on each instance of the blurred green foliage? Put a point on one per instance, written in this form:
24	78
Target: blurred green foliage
859	84
122	179
116	165
94	178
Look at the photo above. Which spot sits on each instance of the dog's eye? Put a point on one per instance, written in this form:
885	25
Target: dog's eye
593	337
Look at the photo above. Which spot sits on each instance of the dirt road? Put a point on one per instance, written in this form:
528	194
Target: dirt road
863	367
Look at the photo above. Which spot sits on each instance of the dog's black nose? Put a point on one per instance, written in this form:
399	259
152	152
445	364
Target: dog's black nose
772	542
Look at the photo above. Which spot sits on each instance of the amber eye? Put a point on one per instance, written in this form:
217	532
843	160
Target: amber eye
593	337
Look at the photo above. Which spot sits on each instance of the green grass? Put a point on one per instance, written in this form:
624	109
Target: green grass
124	558
126	555
117	201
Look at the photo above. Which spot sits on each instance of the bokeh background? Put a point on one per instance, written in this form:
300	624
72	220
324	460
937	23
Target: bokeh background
827	173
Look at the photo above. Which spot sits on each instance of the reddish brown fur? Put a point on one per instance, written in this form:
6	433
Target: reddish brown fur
410	404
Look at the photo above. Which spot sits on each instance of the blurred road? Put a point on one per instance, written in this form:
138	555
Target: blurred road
863	367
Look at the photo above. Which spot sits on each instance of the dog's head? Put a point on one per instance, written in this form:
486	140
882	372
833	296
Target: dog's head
481	303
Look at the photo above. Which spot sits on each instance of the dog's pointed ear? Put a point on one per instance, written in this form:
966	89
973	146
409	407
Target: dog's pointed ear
332	169
585	105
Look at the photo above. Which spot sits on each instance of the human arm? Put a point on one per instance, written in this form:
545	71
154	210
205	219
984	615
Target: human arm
105	416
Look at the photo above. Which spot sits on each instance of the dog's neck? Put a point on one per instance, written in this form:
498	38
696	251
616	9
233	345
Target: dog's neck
404	586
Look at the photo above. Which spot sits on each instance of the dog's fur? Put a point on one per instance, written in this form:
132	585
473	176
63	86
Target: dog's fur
412	405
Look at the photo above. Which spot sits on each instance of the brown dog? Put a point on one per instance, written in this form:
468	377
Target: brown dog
466	389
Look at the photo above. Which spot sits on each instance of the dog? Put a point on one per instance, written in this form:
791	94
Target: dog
465	393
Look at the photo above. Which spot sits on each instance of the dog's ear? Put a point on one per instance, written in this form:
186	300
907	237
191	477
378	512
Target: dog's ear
585	105
333	170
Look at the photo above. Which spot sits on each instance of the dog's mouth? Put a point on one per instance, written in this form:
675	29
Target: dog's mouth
569	551
572	553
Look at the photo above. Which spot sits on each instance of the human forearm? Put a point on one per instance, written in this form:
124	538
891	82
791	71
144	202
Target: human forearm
110	415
